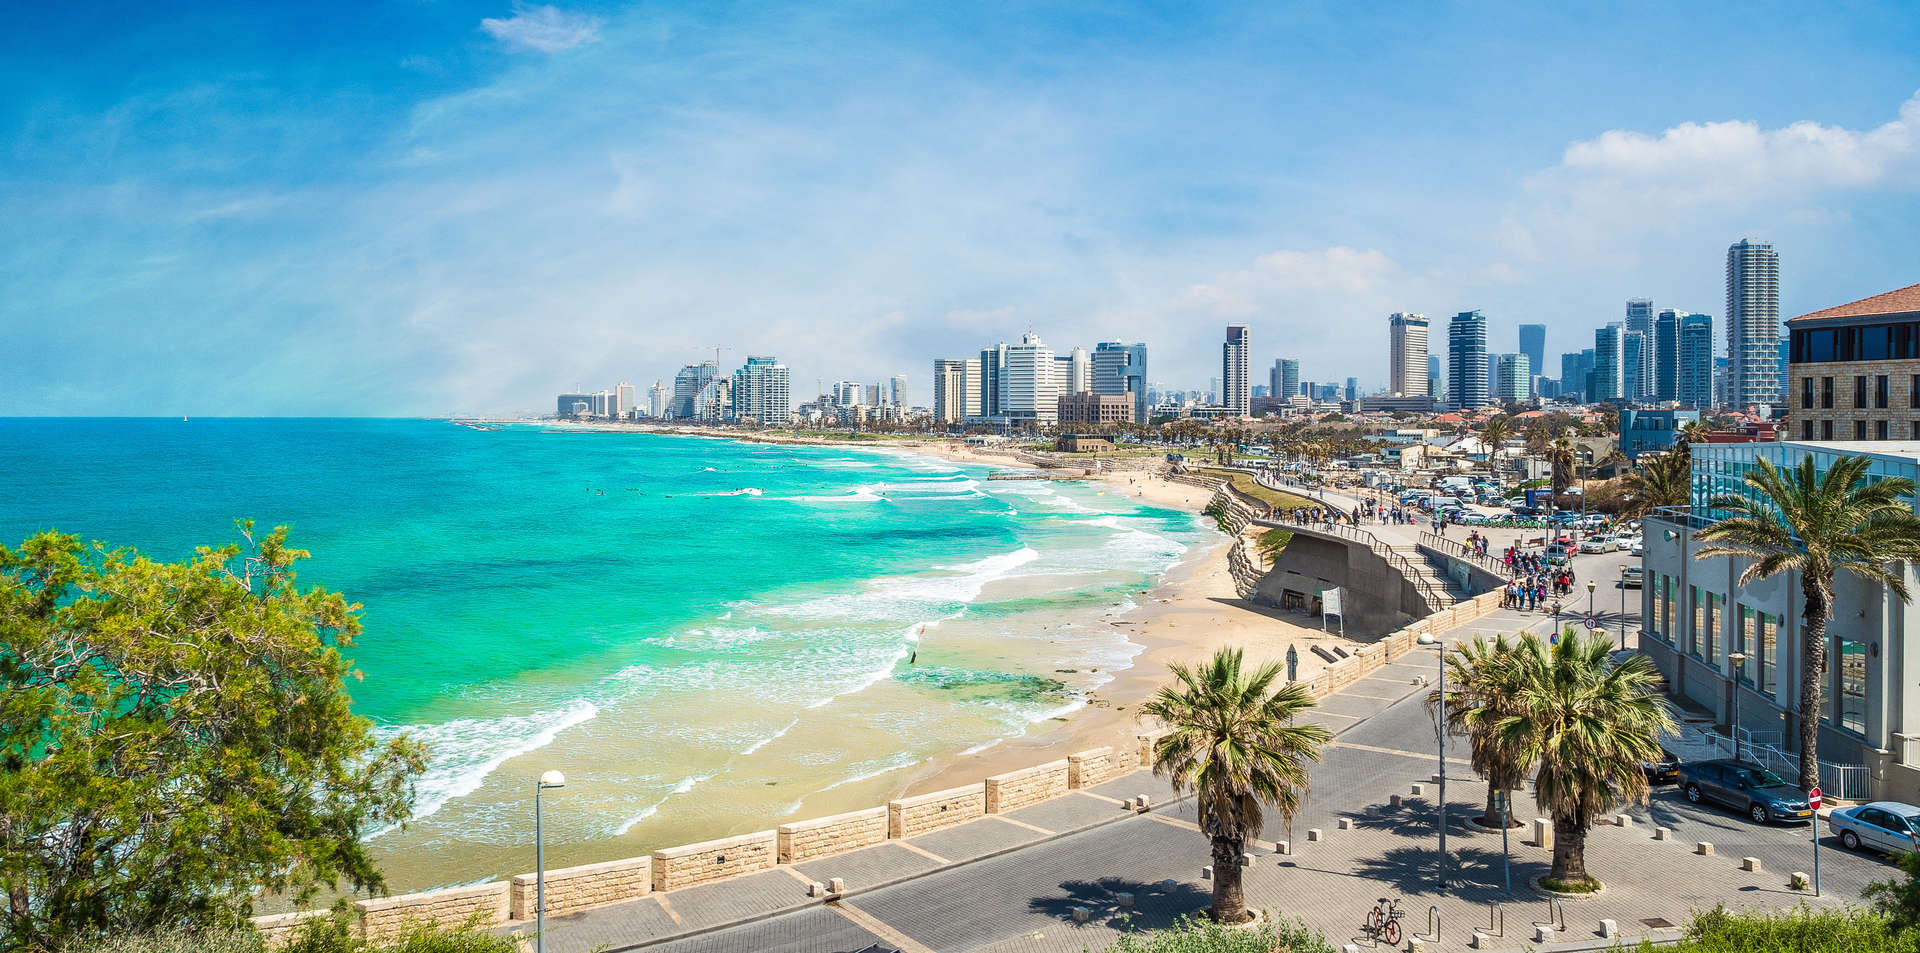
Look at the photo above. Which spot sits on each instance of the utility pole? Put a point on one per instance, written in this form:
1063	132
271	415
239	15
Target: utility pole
1440	728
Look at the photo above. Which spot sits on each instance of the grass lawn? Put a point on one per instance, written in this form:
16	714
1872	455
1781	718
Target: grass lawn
1280	500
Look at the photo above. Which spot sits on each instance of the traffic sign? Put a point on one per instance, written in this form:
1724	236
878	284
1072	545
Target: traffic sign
1813	799
1592	623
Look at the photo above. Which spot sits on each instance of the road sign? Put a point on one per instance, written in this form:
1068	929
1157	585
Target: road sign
1813	799
1592	623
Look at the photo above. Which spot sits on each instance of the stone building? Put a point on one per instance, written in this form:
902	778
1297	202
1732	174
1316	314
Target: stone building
1853	370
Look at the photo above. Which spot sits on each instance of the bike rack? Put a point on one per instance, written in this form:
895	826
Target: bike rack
1496	914
1433	924
1556	915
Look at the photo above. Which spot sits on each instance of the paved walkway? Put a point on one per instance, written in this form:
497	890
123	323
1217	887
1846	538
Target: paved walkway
1011	883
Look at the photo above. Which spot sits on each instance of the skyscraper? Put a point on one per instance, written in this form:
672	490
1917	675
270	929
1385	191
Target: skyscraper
1406	355
1605	382
1753	324
1284	379
623	402
1533	343
1029	391
760	391
1634	385
1666	355
1122	369
1235	366
1514	381
1693	378
1436	381
993	360
949	391
1467	361
1640	320
687	385
1079	373
898	391
1352	390
657	397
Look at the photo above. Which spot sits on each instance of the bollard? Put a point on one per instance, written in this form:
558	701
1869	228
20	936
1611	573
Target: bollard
1416	946
1543	833
1345	824
1481	940
1125	900
816	889
837	886
1283	846
1419	790
1393	800
1206	873
1704	849
1798	880
1623	820
1663	833
1609	929
1142	802
1542	934
1350	948
1313	834
1750	863
1082	914
1246	860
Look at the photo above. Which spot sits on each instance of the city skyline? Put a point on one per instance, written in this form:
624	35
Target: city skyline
472	206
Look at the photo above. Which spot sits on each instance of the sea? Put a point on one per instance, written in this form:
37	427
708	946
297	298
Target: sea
705	636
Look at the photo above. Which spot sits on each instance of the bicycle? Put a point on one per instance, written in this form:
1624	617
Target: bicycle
1383	923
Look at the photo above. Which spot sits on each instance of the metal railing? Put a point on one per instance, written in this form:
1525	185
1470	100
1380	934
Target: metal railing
1436	597
1910	750
1465	551
1849	782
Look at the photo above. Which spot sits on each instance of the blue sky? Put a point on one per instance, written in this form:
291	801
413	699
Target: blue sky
419	206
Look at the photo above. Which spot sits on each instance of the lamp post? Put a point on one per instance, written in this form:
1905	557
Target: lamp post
551	779
1739	662
1440	728
1592	587
1623	607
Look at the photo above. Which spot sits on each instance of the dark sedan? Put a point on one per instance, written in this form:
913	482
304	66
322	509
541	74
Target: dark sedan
1663	771
1746	787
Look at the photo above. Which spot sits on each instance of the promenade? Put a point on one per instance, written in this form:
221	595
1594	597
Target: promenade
1016	882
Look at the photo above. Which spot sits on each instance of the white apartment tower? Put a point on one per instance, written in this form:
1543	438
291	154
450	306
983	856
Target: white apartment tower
761	391
1029	389
950	391
1407	354
657	397
1753	324
1235	371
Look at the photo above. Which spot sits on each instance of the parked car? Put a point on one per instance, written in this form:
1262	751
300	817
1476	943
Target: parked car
1631	577
1746	787
1664	770
1597	543
1564	517
1624	543
1888	826
1638	548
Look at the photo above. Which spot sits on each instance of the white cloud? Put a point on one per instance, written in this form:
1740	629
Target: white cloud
1699	163
543	28
1338	268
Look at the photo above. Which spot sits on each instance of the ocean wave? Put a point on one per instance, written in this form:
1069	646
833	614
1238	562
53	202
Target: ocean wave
976	749
465	750
917	595
890	765
686	784
860	494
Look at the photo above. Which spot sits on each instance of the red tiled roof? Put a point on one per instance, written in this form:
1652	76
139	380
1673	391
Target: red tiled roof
1898	301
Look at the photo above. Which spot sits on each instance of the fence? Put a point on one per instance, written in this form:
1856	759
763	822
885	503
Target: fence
1847	782
1436	597
1467	552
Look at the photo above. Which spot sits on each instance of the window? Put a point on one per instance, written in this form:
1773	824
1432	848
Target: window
1699	621
1826	430
1850	671
1819	346
1916	430
1913	395
1859	430
1806	390
1859	392
1704	644
1880	430
1874	343
1806	429
1768	648
1880	391
1746	643
1826	393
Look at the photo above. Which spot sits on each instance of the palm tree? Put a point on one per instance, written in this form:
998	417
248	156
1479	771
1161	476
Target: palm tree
1662	480
1480	692
1692	432
1561	459
1496	432
1800	521
1233	743
1589	724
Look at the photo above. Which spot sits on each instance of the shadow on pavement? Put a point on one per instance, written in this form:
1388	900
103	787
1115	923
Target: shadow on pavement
1156	905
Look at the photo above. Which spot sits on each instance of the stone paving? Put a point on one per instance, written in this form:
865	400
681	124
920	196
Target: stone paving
1013	883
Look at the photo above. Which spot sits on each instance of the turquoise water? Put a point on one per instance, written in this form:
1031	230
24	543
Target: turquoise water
659	614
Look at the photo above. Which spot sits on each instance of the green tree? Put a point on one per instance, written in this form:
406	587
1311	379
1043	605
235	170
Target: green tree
1663	480
1561	460
1898	899
1481	692
1233	743
176	739
1799	521
1588	724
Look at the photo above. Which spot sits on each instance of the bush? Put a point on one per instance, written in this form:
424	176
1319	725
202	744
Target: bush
1799	930
242	940
332	934
1201	935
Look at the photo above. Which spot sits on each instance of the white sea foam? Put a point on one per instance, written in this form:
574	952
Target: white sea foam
976	749
776	736
900	597
466	750
686	784
859	494
895	763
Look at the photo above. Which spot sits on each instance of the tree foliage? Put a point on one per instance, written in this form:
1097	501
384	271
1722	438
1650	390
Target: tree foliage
176	739
1206	936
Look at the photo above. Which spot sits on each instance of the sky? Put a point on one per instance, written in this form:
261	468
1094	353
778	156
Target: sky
418	207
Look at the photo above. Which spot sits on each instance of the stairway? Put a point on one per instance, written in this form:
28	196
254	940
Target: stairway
1426	568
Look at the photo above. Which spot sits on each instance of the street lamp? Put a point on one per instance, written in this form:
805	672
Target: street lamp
1623	607
1739	660
551	779
1592	587
1440	728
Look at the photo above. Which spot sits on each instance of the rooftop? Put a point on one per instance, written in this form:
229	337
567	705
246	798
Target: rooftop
1899	301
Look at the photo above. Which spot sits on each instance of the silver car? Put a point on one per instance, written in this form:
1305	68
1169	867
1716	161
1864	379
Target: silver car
1887	826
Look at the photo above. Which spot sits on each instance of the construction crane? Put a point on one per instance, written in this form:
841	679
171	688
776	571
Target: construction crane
716	352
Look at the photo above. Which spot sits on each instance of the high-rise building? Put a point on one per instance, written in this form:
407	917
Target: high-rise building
1635	388
1533	343
623	402
1574	368
1753	324
761	392
1029	391
1640	319
949	391
1467	361
1604	384
897	391
849	394
1666	355
1236	358
1122	369
1284	379
1406	355
1513	381
714	402
1693	371
993	361
657	398
1436	381
1079	372
687	385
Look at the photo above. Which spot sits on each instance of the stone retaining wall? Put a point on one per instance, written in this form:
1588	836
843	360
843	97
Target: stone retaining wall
384	917
280	927
1017	789
572	889
805	840
935	810
1094	766
707	861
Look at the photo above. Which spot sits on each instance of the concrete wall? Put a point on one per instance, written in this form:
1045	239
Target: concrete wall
384	917
280	927
1095	766
1310	563
935	810
1017	789
571	889
805	840
707	861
